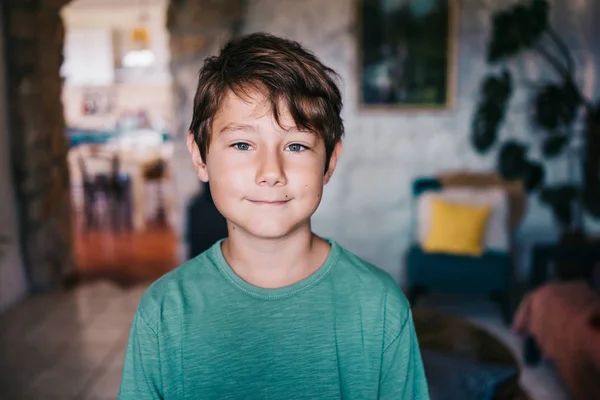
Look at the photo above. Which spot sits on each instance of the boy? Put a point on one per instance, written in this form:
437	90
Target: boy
273	311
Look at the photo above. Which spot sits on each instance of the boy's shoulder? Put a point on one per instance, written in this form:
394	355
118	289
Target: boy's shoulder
172	288
368	281
369	274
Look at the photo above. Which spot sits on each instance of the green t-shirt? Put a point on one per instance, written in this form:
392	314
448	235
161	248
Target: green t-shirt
202	332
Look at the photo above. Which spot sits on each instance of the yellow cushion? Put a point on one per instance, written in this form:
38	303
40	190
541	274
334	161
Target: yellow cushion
456	228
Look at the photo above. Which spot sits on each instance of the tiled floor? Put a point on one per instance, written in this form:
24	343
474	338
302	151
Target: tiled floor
67	346
71	345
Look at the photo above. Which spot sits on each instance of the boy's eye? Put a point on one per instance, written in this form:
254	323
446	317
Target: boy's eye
296	147
241	146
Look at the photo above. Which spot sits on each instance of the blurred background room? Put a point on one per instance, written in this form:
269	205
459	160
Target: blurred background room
470	173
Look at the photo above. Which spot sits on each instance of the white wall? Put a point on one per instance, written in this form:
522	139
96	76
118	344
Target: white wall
13	284
88	57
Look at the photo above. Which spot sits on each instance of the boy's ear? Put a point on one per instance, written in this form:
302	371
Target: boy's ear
194	151
335	155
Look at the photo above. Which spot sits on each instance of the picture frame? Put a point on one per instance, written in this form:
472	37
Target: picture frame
98	101
407	54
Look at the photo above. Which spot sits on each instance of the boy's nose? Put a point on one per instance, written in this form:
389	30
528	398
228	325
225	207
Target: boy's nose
271	171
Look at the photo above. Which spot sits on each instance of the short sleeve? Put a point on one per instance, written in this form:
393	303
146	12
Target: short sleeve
141	377
403	375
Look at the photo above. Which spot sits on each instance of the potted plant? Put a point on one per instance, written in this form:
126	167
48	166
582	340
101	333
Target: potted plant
557	108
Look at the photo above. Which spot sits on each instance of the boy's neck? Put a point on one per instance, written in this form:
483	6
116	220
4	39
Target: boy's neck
273	263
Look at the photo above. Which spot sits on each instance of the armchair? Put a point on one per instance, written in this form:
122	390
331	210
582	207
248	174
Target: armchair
490	273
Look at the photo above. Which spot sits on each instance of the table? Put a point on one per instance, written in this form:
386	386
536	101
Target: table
133	156
456	336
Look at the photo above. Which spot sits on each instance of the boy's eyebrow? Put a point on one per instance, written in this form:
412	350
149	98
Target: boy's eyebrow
231	127
235	127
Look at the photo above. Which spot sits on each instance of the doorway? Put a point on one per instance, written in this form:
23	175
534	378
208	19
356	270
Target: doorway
117	102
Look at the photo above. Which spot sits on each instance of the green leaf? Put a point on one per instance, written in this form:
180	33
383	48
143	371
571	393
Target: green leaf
556	105
563	213
591	202
517	28
559	194
483	132
539	22
533	175
512	161
497	88
560	198
485	125
554	145
495	92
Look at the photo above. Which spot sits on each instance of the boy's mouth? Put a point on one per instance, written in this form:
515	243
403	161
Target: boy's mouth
269	202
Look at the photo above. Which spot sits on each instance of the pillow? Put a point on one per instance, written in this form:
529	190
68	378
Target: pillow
451	377
456	228
497	235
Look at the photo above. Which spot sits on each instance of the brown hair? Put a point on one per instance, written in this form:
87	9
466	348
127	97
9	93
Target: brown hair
286	73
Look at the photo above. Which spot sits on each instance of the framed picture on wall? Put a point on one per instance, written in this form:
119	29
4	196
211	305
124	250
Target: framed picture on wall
407	54
97	101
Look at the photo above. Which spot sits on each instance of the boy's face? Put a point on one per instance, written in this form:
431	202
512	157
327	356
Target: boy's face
265	180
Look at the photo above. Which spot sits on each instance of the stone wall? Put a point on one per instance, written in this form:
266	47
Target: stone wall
33	35
13	285
367	206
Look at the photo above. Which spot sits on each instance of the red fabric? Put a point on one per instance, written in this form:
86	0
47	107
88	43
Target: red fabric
560	317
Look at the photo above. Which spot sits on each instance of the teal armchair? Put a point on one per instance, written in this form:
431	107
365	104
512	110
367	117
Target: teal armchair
492	272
